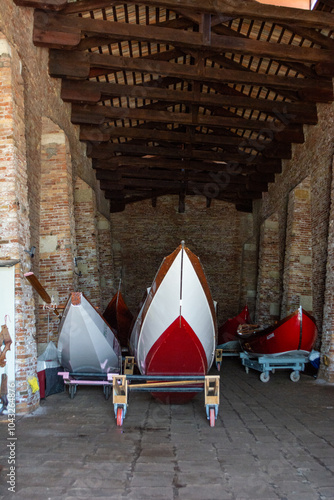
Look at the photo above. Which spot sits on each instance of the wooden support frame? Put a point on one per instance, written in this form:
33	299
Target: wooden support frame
211	390
120	390
129	365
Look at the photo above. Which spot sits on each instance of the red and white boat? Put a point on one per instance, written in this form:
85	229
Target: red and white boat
228	331
295	334
119	317
175	331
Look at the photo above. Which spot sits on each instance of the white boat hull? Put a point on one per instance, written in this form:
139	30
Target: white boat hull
86	342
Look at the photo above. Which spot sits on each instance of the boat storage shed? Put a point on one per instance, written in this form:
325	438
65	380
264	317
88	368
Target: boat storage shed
128	127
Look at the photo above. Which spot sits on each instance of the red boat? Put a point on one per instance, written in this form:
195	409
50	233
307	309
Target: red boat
227	332
175	331
119	317
296	333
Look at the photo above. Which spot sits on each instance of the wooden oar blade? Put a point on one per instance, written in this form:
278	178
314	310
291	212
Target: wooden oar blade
37	285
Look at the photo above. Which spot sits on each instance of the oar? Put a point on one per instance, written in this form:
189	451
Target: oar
36	284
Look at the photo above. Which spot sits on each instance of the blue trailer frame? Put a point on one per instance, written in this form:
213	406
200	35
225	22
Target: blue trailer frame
269	363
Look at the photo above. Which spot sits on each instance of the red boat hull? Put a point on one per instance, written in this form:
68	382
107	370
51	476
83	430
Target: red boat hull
295	333
119	317
228	331
177	352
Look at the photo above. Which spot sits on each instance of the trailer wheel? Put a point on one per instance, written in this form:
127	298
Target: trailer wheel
264	377
72	390
119	418
294	376
212	417
107	391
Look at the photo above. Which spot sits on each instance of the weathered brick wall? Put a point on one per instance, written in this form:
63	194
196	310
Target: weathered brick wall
33	98
107	283
312	159
327	344
14	217
248	279
269	273
57	249
87	241
143	235
297	277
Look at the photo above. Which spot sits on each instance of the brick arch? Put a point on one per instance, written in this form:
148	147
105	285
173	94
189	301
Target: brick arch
57	247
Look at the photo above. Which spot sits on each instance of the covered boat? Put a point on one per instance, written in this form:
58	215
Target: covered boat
175	331
86	342
228	331
120	318
294	334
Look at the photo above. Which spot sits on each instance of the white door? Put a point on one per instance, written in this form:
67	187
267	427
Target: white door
7	312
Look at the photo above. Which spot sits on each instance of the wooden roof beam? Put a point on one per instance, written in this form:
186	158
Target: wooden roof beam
90	92
101	114
98	134
78	65
234	167
51	30
232	8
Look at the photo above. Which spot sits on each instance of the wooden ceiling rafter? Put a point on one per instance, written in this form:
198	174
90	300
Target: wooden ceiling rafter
172	95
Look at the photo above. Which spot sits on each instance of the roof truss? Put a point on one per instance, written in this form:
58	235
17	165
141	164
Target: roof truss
188	97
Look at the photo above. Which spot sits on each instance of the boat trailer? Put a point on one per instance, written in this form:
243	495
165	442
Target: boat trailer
121	385
73	379
269	363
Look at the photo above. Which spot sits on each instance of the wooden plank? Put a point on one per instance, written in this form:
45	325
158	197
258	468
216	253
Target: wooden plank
219	8
45	23
92	92
100	114
91	133
118	161
75	65
149	173
251	10
105	151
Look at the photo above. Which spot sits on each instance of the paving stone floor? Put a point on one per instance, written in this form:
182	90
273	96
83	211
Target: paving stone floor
271	441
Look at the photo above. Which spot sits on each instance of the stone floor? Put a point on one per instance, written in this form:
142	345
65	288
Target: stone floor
271	441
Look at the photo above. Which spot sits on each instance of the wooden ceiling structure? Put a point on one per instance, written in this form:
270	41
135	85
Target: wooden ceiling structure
188	97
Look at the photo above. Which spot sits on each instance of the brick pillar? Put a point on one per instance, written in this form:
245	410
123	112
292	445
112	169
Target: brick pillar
297	277
14	220
57	228
87	241
248	276
269	281
107	285
327	341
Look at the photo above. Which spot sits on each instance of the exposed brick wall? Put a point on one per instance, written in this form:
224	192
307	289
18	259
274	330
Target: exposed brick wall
57	248
143	235
313	159
248	280
32	97
14	218
327	344
87	241
297	278
107	283
269	273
